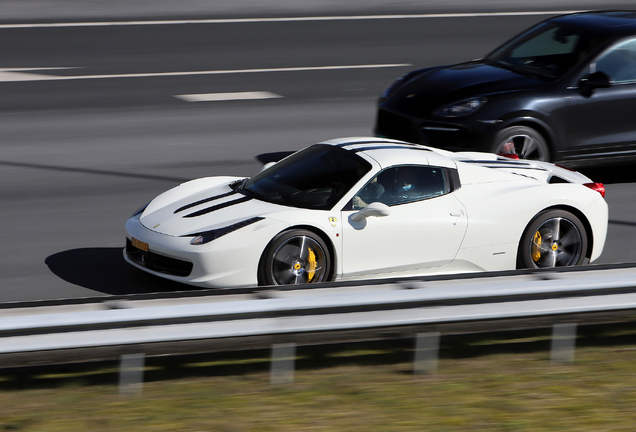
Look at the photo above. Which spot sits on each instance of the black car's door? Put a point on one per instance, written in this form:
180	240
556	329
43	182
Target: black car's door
603	121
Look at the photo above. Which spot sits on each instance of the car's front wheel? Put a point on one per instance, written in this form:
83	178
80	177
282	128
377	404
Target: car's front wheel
554	238
523	141
294	257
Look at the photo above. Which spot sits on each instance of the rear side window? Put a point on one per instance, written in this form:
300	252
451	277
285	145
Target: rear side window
619	62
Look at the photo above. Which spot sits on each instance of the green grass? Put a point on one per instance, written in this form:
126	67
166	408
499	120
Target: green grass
483	384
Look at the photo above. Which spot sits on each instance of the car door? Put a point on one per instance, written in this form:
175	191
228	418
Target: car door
424	229
604	120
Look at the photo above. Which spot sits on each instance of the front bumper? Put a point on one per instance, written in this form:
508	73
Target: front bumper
156	262
230	261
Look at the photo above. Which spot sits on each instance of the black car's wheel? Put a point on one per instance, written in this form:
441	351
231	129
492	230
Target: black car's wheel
554	238
523	141
294	257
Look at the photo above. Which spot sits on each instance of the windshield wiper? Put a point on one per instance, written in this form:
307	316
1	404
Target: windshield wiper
499	64
527	70
238	185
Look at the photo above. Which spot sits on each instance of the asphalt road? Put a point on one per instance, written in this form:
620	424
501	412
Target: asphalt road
80	10
93	130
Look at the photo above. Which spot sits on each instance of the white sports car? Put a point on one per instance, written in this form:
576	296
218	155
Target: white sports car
359	208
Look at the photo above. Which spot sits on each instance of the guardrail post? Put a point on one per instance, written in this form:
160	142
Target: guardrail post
131	374
426	353
563	343
283	356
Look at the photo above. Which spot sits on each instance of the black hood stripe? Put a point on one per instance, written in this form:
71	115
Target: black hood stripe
217	207
374	142
203	201
387	147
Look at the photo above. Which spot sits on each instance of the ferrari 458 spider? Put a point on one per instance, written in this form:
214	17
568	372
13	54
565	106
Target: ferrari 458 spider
360	208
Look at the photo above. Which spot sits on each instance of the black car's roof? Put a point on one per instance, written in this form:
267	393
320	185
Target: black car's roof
616	23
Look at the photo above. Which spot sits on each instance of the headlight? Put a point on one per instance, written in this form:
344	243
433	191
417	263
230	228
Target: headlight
461	109
208	236
140	211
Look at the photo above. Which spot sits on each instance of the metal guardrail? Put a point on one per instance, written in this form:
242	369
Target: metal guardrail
318	315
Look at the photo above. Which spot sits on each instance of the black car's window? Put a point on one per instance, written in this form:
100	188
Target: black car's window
402	184
619	62
314	178
545	44
546	51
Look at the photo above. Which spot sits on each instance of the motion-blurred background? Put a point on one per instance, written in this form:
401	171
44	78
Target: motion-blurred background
94	122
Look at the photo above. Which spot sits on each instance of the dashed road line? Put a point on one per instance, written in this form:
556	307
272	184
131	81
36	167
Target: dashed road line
214	97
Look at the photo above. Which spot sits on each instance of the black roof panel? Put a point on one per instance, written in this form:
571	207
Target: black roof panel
618	23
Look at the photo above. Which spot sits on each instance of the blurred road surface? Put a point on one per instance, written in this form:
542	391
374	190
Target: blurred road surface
93	123
20	10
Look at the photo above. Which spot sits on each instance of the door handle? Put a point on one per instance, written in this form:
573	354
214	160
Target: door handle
457	213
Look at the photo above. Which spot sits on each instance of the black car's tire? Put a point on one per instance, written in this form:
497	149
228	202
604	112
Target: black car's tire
294	257
554	238
523	141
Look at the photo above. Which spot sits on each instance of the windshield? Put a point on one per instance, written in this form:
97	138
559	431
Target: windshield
314	178
546	51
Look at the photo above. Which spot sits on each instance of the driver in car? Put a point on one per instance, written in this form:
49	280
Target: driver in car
368	194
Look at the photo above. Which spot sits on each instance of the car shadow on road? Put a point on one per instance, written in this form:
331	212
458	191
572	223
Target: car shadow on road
104	270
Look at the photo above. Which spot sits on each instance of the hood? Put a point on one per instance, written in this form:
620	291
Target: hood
201	205
436	88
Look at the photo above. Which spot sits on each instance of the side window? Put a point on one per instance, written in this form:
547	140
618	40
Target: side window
619	62
403	184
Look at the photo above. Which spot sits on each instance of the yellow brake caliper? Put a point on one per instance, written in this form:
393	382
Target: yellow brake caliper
311	259
536	244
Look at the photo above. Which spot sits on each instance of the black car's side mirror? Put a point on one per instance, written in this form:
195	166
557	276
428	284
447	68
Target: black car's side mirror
590	82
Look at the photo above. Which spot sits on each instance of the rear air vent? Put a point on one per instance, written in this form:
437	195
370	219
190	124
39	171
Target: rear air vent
556	179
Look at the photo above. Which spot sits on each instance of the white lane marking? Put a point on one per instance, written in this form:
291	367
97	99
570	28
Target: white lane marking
212	97
10	75
19	76
34	69
289	19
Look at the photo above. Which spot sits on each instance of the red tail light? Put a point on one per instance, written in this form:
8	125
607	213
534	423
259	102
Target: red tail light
509	155
598	187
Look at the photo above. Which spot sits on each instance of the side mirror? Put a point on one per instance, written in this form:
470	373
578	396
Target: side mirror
593	81
377	209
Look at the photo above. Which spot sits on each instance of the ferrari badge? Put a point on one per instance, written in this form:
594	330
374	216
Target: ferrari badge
334	221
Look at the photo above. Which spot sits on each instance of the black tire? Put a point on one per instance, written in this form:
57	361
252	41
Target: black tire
554	238
294	257
523	141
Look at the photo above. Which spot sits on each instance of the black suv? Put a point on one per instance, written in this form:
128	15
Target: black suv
563	90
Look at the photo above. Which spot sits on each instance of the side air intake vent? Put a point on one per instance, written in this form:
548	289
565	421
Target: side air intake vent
556	179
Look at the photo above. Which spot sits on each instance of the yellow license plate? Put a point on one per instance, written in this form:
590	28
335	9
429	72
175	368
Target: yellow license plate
140	245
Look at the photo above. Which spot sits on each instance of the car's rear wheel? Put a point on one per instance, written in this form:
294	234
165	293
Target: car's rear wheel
554	238
295	257
523	141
